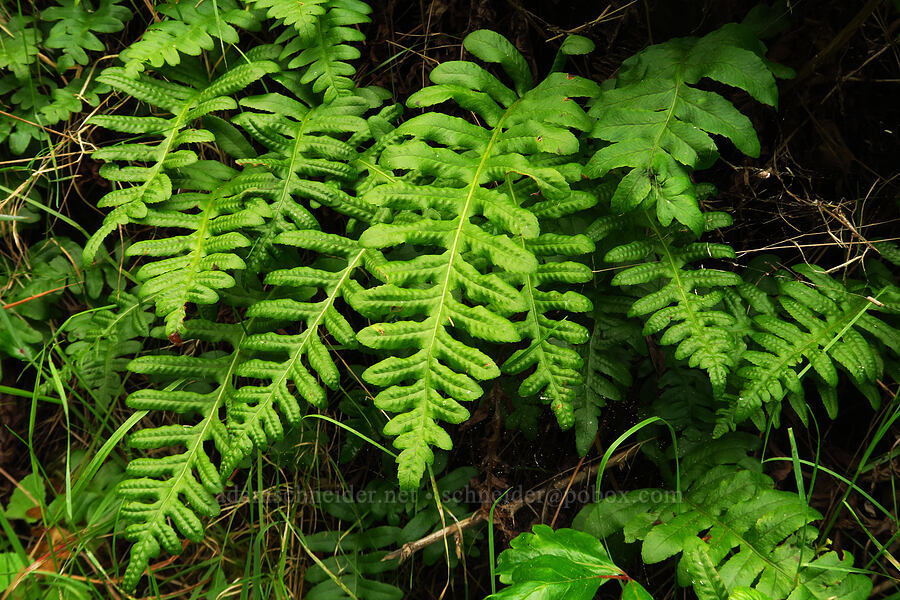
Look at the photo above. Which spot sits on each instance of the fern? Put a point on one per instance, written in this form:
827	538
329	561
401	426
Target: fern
317	40
163	496
252	420
165	157
356	552
351	560
75	25
658	125
304	16
820	324
614	342
690	316
189	28
472	226
557	374
681	398
731	528
310	159
552	348
197	265
459	240
102	342
31	289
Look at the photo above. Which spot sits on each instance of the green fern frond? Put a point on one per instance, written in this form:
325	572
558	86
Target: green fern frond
193	267
446	202
102	342
551	351
682	399
687	307
732	529
614	342
76	22
189	28
252	419
302	15
165	157
658	124
319	41
163	496
822	325
310	159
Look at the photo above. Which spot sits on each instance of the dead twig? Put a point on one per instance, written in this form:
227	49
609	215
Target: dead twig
558	483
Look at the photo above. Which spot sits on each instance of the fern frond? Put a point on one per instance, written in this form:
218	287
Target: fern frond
163	496
318	41
822	325
76	22
252	419
446	202
658	124
732	529
551	351
355	552
303	15
193	267
189	28
614	342
687	307
166	156
310	159
684	401
102	343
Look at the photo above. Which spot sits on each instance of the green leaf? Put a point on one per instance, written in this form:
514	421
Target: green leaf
10	566
659	127
19	40
76	24
492	47
576	44
29	494
564	564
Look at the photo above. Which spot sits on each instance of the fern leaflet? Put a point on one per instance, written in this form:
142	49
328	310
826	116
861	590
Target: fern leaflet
309	158
318	41
188	29
75	25
557	374
252	420
164	495
822	322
